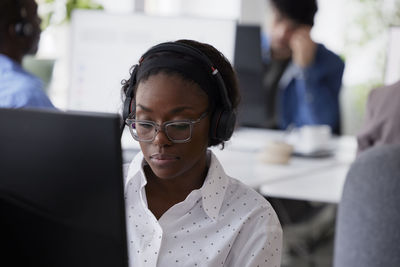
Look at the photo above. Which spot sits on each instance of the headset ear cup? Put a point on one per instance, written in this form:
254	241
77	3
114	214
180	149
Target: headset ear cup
19	29
23	29
213	126
222	125
226	125
127	108
129	95
125	113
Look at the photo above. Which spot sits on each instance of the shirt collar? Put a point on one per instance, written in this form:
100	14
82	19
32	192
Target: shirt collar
214	188
212	192
7	64
136	168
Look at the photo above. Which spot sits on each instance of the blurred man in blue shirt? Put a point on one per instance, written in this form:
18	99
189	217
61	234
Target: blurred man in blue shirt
302	78
19	36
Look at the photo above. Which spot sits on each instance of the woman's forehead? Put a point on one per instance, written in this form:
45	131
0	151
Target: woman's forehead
166	89
169	84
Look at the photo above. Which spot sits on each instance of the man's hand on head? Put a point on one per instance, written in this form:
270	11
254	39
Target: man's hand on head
302	46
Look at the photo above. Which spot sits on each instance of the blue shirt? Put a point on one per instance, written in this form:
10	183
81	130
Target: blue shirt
309	96
20	89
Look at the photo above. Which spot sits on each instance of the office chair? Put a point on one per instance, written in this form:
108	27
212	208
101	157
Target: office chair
368	220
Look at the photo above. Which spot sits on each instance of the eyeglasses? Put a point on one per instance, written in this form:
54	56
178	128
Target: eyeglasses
177	131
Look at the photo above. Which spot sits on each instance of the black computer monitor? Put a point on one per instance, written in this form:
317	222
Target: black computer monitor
248	65
61	189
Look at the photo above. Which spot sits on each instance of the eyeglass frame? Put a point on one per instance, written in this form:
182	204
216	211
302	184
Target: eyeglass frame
158	128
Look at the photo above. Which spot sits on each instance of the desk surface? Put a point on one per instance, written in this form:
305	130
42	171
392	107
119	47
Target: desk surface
315	179
324	185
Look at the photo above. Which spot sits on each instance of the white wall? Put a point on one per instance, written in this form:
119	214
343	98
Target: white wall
223	9
105	46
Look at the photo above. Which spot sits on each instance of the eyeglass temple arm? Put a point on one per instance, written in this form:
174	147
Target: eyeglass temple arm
121	128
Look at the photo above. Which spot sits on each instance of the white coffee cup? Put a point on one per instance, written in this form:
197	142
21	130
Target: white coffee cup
314	137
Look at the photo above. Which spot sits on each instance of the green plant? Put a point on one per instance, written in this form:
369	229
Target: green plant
365	50
59	11
80	4
372	19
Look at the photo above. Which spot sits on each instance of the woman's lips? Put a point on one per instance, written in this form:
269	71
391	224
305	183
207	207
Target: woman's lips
163	159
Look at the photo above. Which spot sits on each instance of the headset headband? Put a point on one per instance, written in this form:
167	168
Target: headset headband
23	27
195	53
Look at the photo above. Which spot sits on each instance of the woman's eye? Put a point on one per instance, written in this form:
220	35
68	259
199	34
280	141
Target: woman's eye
144	125
179	126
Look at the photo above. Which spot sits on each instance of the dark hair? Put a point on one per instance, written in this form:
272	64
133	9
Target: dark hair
219	61
301	11
9	14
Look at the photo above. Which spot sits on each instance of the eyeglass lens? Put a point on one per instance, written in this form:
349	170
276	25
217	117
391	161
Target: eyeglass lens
176	131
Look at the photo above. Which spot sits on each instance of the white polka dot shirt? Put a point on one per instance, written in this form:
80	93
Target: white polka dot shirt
224	223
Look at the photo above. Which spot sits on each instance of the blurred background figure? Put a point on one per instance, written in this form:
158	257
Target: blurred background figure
19	36
382	123
302	78
303	81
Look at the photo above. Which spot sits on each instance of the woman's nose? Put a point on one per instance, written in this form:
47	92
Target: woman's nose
161	138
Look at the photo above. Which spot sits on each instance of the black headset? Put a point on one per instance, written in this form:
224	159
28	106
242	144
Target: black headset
223	118
23	27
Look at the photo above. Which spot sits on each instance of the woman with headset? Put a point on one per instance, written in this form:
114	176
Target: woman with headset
181	207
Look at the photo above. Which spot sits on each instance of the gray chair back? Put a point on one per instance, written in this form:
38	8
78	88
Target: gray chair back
368	219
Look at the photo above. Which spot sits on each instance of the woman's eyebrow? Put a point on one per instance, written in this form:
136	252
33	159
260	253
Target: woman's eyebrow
173	111
180	109
144	108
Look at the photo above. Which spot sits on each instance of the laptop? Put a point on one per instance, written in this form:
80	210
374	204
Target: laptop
61	189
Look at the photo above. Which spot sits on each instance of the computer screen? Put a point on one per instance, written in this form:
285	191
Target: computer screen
248	65
61	189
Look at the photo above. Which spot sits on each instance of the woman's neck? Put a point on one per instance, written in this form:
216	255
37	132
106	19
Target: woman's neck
162	194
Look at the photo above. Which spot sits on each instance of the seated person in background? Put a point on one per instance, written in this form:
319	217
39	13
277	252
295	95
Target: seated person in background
382	119
302	78
182	208
19	36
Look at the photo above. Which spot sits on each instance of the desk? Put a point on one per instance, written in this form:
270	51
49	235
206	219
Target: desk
315	179
323	185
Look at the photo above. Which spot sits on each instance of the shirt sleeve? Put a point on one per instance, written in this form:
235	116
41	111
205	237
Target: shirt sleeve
259	242
32	99
26	91
321	83
20	89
